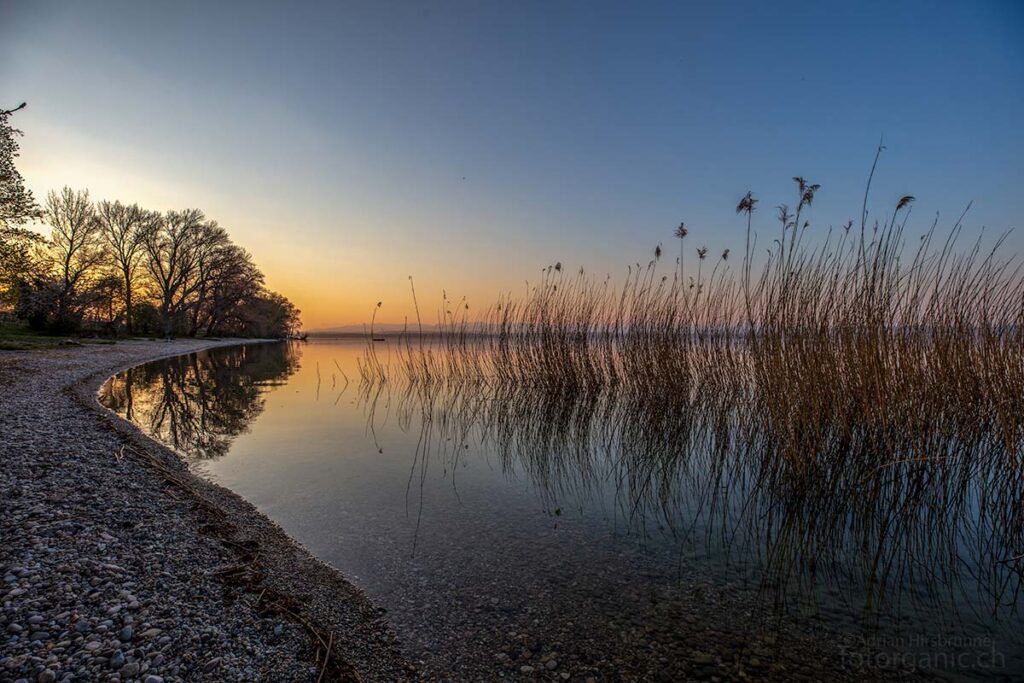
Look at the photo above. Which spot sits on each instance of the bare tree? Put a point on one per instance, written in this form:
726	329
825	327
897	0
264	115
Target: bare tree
235	280
171	260
122	227
211	245
74	242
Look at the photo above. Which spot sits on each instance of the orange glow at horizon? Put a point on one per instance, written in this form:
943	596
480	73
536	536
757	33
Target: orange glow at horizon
335	274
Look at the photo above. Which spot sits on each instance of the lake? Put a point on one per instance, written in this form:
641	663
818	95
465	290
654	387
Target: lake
561	534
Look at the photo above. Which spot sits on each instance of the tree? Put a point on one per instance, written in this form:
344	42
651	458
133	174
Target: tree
234	279
36	302
211	245
171	260
101	299
75	245
19	260
122	227
17	205
269	315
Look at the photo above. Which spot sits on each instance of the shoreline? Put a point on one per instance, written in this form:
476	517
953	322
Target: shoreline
119	563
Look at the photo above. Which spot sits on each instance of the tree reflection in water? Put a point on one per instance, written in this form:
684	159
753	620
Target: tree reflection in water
199	403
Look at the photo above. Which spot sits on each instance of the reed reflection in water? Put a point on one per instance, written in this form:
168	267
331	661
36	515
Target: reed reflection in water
921	515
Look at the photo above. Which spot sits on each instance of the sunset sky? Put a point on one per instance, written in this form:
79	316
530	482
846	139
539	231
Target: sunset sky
469	144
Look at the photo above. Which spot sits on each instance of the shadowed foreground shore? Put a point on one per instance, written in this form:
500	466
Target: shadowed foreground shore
117	564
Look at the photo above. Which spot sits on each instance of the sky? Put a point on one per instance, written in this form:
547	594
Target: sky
350	145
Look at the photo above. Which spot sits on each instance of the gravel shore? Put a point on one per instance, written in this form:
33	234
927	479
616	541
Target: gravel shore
118	564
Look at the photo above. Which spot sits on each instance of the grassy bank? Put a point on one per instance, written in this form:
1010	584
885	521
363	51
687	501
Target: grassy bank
18	337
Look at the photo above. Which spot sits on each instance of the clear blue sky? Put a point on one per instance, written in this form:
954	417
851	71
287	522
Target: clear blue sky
349	145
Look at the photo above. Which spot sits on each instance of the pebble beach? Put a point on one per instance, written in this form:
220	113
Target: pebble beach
117	564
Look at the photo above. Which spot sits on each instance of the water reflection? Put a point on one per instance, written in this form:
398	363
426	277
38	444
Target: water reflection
199	403
614	527
941	534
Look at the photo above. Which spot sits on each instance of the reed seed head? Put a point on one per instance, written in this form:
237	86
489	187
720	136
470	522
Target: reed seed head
746	204
807	192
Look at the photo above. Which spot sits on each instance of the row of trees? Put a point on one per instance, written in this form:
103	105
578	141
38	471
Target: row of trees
113	267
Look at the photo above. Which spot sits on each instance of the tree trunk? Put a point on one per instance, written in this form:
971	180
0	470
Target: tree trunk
127	304
166	320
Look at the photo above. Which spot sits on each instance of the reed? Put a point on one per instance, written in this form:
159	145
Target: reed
863	322
858	394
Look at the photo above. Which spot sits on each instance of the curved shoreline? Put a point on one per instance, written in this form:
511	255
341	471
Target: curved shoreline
245	585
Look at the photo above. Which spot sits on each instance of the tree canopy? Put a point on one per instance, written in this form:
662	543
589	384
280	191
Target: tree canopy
116	267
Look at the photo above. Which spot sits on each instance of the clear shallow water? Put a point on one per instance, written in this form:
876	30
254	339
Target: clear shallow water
494	544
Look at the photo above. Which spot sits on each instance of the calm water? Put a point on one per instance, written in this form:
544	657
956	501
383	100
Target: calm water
497	537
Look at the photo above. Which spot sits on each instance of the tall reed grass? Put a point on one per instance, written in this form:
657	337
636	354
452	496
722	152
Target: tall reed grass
864	390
